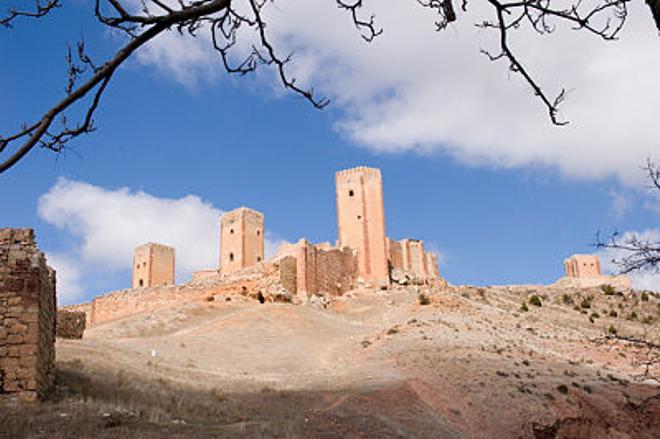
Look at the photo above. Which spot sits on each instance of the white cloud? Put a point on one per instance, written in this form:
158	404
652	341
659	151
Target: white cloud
413	89
69	289
641	280
620	203
106	225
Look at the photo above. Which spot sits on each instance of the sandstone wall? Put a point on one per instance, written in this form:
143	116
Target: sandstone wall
288	274
27	316
361	220
241	239
321	271
582	266
153	265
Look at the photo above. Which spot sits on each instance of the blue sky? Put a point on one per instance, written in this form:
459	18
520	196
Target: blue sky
500	206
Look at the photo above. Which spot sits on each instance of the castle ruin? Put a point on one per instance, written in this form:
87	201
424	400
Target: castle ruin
361	220
27	317
153	265
241	239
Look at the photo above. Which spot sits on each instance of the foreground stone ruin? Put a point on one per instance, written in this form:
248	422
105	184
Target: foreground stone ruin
27	317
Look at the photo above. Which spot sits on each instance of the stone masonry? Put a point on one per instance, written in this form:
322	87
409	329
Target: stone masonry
153	265
241	239
324	271
361	220
27	317
582	266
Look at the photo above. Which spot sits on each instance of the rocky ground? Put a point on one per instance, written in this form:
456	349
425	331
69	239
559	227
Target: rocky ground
522	361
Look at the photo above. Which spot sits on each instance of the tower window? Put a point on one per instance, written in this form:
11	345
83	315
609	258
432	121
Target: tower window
351	193
141	283
231	257
359	217
258	232
231	231
258	258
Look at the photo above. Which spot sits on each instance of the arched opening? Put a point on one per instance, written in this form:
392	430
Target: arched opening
231	257
351	193
141	283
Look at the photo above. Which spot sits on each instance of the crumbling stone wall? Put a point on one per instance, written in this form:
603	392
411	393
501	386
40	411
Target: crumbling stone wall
70	324
27	316
333	271
288	275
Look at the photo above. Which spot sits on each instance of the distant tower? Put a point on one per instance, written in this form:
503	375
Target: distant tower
241	239
582	266
361	219
153	265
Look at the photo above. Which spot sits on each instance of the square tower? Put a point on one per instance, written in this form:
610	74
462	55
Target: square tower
241	239
582	266
153	265
361	219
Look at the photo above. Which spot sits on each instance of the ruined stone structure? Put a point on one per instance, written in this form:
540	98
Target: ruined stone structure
582	266
322	270
27	316
361	220
432	265
241	239
153	265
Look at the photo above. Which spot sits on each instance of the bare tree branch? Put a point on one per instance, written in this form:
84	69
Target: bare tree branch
638	254
87	81
41	8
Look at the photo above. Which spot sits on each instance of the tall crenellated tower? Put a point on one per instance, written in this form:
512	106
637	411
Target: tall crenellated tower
153	265
241	239
361	219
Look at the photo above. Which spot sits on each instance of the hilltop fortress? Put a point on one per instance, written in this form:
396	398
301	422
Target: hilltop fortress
363	256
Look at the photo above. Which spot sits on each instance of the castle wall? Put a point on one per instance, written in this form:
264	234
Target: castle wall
361	220
432	265
288	274
582	266
333	271
153	265
27	316
241	239
395	253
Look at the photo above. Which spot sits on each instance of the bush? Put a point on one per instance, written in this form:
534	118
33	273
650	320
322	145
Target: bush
645	296
647	320
524	307
562	389
611	330
535	300
613	314
632	316
423	299
586	303
608	289
567	299
595	315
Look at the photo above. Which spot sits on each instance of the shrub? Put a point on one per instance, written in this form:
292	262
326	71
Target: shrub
632	316
608	289
613	314
535	300
647	320
423	299
611	330
567	299
562	389
645	296
595	315
586	303
524	307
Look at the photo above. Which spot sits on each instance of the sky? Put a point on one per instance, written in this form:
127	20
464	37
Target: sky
470	161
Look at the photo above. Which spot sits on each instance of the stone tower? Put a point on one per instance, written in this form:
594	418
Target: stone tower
241	239
153	265
361	219
582	266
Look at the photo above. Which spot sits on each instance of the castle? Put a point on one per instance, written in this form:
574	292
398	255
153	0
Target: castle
362	251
